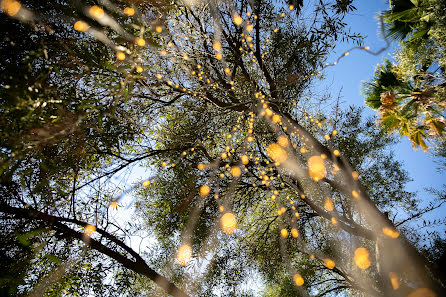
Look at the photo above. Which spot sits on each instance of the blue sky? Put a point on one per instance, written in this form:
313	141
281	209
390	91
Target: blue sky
359	66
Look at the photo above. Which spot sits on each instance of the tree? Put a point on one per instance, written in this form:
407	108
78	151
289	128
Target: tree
410	93
212	99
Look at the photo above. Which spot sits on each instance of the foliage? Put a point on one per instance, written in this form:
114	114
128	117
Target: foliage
410	93
198	94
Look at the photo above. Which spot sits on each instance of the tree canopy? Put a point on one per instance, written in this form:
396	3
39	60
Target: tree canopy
249	189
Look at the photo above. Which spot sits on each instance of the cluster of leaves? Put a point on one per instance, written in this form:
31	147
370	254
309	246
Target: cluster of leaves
410	93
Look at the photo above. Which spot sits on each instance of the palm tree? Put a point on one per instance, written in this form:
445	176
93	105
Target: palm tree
406	104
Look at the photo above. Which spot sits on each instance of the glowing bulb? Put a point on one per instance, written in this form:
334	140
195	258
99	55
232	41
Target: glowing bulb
120	56
200	166
277	153
89	229
355	175
329	263
158	29
146	183
390	232
217	46
114	205
355	194
394	280
361	258
205	190
129	11
298	279
139	69
96	12
328	204
10	7
228	223
80	26
184	254
140	41
276	118
245	159
284	233
235	171
316	167
237	19
294	232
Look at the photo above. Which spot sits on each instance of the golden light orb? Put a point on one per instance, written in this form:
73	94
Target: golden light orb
140	41
228	223
146	183
184	254
120	56
390	232
328	204
329	263
316	168
235	171
129	11
89	229
284	233
276	153
96	12
237	19
298	279
205	190
10	7
294	232
361	258
80	26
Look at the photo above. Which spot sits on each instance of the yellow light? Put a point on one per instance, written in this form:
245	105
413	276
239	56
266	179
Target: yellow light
297	215
228	223
361	258
159	76
336	153
298	279
227	70
355	194
237	19
303	150
328	204
294	232
366	47
316	167
245	159
291	7
235	171
205	190
184	254
355	175
250	139
139	69
129	11
249	28
158	29
89	229
96	12
390	232
422	292
284	233
276	118
163	53
146	183
10	7
334	221
114	205
140	41
224	156
394	280
218	56
334	133
277	153
200	166
329	263
120	56
327	137
80	26
164	164
221	208
217	46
